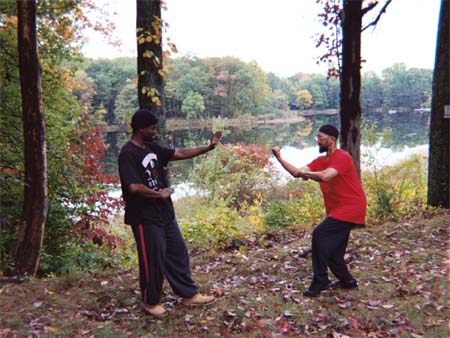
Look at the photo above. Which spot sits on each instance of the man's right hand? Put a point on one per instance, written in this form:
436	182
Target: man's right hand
215	139
276	151
166	192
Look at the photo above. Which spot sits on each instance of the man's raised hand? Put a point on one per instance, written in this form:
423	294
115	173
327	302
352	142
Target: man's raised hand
276	151
215	139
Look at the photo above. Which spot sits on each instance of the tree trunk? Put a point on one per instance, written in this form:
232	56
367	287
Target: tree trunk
350	78
150	56
34	214
439	151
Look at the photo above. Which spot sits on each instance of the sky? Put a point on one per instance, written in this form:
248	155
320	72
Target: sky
277	34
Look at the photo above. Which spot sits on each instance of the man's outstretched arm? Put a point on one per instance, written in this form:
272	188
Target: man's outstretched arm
293	170
185	153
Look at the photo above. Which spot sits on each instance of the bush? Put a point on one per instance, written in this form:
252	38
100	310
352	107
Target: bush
217	226
237	174
236	179
396	191
86	248
297	205
82	256
213	226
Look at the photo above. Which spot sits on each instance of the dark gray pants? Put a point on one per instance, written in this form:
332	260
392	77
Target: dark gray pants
162	253
329	242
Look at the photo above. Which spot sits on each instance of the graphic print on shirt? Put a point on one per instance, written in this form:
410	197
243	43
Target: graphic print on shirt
150	164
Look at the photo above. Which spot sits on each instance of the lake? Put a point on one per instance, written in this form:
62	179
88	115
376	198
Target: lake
408	136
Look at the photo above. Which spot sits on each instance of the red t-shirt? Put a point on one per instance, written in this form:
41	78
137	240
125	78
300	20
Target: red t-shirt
344	196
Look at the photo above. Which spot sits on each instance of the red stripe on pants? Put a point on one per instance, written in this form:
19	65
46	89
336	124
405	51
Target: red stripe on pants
144	256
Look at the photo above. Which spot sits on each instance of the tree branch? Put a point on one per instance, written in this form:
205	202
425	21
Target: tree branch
369	8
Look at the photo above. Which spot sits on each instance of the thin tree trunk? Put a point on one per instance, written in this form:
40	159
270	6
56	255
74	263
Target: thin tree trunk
350	105
150	56
439	152
34	214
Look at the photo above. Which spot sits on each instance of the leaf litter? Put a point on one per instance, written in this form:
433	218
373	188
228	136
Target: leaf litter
401	267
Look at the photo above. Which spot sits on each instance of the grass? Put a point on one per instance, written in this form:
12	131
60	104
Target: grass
402	269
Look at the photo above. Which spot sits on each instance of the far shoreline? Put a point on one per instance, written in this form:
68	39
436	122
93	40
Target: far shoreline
177	124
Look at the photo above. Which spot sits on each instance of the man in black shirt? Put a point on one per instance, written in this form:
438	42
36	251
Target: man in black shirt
161	248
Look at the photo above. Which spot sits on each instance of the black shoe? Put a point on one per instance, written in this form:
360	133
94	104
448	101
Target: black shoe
349	284
315	290
311	293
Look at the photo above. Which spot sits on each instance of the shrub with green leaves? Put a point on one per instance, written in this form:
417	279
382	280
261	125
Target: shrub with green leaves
396	191
236	179
213	225
295	205
234	173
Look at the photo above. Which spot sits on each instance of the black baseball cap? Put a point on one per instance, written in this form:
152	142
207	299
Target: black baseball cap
142	119
330	130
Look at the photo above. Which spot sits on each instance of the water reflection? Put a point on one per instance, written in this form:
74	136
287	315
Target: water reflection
407	129
409	135
384	156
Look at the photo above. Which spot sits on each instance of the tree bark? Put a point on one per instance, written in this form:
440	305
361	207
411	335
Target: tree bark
35	203
150	56
350	78
439	151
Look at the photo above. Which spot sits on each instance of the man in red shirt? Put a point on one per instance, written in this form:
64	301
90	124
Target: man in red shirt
345	204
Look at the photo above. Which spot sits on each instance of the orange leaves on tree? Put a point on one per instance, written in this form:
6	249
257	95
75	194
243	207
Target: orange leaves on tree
254	154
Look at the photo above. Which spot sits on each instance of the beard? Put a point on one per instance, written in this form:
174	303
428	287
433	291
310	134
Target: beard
153	138
323	149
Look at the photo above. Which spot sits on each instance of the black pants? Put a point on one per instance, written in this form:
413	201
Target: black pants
329	242
162	253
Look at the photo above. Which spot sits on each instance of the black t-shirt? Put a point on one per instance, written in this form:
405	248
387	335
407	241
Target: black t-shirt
145	166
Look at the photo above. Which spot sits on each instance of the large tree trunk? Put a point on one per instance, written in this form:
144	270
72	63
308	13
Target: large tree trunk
350	106
439	153
34	214
150	56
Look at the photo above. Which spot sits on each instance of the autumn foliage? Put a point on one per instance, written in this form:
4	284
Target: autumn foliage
235	173
95	205
76	182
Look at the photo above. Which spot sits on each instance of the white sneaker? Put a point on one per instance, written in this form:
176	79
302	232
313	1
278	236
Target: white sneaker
157	311
198	300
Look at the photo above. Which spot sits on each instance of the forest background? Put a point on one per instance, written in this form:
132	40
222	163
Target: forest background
84	98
